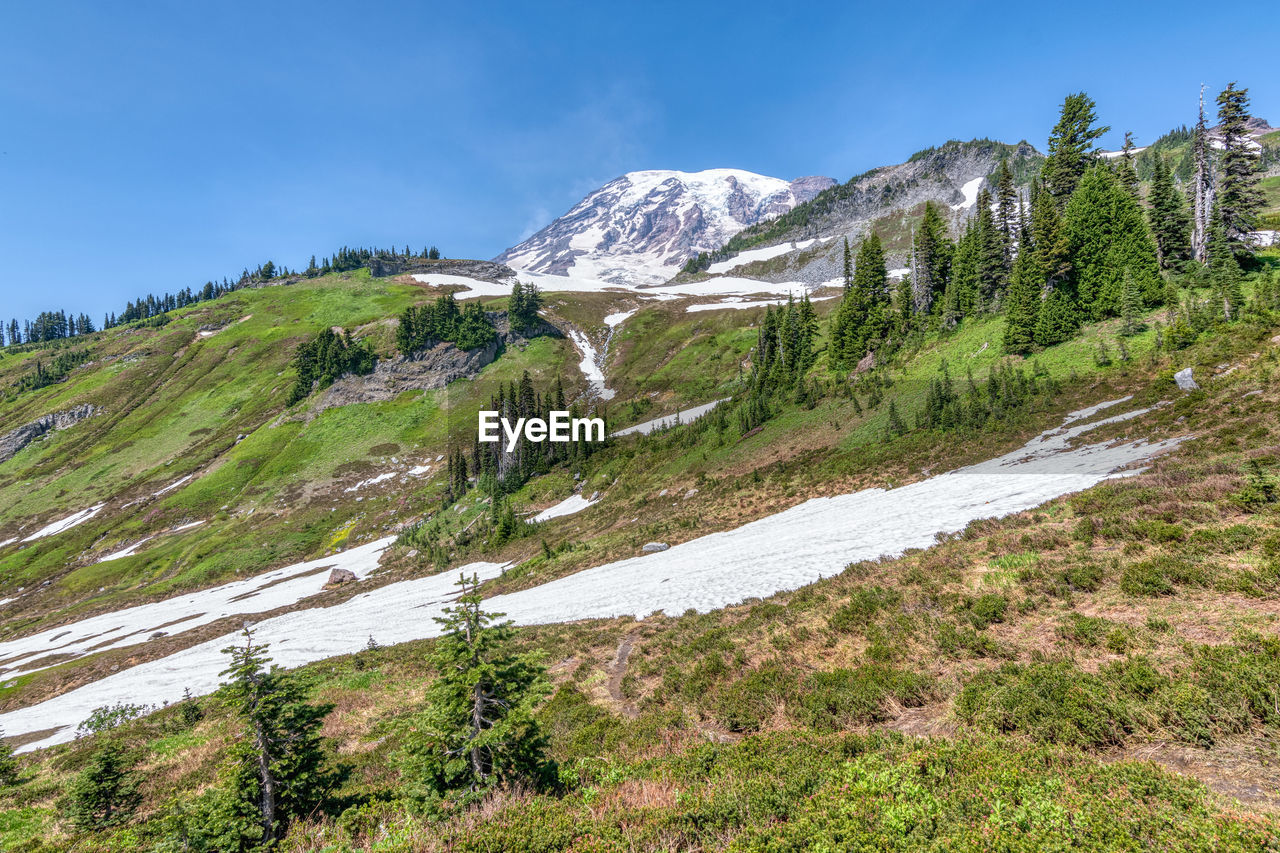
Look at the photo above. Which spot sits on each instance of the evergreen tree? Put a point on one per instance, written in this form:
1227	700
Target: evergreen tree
277	770
959	298
1022	306
861	320
1224	271
1058	319
1130	304
993	275
1105	232
105	793
1071	146
1238	198
8	764
1124	170
848	266
1170	222
931	253
1007	213
479	729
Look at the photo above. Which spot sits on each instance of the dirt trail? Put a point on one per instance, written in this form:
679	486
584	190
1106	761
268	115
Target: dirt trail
617	671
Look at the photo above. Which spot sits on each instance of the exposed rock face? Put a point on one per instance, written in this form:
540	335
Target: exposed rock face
950	175
639	228
483	270
14	440
425	370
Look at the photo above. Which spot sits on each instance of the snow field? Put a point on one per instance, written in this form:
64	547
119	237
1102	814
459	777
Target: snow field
134	625
815	539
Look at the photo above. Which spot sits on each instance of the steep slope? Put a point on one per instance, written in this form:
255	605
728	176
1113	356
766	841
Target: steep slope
639	228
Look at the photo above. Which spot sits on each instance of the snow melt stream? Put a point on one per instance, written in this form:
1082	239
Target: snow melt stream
798	546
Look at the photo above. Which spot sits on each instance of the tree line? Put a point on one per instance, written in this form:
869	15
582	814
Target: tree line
1082	245
59	325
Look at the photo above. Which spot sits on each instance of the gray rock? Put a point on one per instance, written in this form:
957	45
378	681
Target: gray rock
425	370
1185	380
655	547
14	440
690	493
341	576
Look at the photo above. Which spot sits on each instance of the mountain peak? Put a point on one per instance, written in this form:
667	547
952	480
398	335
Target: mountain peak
640	227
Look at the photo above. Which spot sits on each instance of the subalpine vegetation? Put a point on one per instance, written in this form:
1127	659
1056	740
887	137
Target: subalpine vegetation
440	321
1041	653
58	325
326	357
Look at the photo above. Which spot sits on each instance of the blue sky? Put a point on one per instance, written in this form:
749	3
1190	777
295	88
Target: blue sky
150	146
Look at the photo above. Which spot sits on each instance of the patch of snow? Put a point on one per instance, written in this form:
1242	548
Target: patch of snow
737	303
900	272
1090	411
4	601
613	321
970	190
133	549
372	481
787	550
568	506
172	486
419	470
65	523
125	552
683	416
752	255
589	365
9	541
1114	155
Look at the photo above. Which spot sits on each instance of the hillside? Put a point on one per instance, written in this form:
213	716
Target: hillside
979	553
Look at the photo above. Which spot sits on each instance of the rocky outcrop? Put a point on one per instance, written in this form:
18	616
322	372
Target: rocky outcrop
483	270
426	370
14	440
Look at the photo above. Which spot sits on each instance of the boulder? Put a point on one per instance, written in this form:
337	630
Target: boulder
1185	380
868	362
338	577
655	547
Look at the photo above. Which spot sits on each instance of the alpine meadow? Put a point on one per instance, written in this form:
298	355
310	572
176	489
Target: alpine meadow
935	508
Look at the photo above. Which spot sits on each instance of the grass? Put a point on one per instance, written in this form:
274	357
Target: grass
1028	648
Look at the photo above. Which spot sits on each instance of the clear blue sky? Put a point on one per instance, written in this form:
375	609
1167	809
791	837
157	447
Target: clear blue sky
148	146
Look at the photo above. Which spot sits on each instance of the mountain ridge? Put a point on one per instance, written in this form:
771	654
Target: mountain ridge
640	227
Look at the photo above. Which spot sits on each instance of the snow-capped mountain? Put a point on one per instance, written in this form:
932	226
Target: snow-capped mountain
639	228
